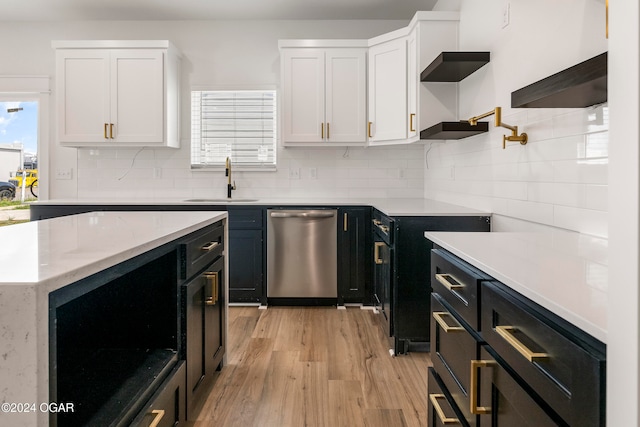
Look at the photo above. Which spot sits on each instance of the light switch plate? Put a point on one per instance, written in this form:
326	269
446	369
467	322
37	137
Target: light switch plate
64	173
294	173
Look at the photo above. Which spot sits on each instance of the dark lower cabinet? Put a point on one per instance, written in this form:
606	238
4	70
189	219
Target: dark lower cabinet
411	281
354	230
501	401
499	359
441	410
246	255
204	325
167	406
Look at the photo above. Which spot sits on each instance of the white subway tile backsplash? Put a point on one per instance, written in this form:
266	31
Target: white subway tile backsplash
559	179
585	220
584	171
596	197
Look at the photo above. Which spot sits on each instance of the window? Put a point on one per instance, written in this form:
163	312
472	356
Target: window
240	124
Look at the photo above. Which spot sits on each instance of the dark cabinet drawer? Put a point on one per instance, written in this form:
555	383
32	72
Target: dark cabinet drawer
561	364
452	347
501	401
166	408
441	410
245	219
201	250
458	283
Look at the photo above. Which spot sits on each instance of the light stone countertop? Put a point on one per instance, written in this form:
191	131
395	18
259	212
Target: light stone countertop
565	272
39	257
391	207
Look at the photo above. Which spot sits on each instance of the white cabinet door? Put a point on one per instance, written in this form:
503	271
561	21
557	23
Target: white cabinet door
388	91
303	95
413	75
82	95
117	97
346	112
137	101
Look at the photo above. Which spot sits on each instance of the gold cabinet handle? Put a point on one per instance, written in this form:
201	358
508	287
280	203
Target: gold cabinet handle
111	130
158	415
328	130
209	246
449	281
438	315
506	332
411	127
436	406
376	252
473	392
322	130
344	222
212	277
369	130
105	130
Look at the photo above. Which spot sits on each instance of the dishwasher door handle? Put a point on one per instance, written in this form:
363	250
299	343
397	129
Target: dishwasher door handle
302	215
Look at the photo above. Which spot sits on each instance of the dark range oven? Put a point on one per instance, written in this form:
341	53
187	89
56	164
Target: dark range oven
383	271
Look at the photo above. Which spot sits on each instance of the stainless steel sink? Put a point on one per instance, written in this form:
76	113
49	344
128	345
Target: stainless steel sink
221	200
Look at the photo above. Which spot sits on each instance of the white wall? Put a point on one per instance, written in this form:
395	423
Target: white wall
560	177
217	53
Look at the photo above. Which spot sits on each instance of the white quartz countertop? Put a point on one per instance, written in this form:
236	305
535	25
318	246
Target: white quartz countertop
391	207
55	252
567	273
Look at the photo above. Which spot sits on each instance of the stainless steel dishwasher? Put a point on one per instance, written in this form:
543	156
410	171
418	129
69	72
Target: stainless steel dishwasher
302	253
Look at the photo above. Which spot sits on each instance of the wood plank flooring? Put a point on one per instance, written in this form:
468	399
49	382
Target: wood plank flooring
314	366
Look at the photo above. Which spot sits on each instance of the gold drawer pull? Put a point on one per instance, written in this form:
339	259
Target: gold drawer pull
369	130
376	252
106	125
449	281
436	406
444	325
210	246
411	127
506	332
212	277
473	392
158	415
322	130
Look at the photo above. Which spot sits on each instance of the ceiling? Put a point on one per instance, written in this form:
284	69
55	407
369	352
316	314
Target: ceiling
151	10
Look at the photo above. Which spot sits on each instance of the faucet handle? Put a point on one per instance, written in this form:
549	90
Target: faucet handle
234	185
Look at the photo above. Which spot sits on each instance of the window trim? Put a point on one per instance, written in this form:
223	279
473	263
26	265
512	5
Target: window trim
247	87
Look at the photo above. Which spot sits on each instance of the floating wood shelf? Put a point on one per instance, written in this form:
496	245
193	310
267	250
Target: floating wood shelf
580	86
454	130
454	66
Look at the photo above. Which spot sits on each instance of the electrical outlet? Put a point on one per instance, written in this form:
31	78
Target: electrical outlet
506	15
64	173
313	173
294	173
157	173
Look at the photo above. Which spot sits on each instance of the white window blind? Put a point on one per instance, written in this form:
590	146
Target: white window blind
240	124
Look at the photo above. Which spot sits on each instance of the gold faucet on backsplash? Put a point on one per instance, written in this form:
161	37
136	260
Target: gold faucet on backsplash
227	173
514	137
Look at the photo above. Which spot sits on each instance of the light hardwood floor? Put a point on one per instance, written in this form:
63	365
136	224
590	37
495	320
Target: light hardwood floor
314	366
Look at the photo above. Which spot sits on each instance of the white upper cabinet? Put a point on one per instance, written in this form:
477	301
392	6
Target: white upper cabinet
324	96
388	91
122	96
346	110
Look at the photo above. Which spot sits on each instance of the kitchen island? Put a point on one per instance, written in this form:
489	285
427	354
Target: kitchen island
50	257
527	316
